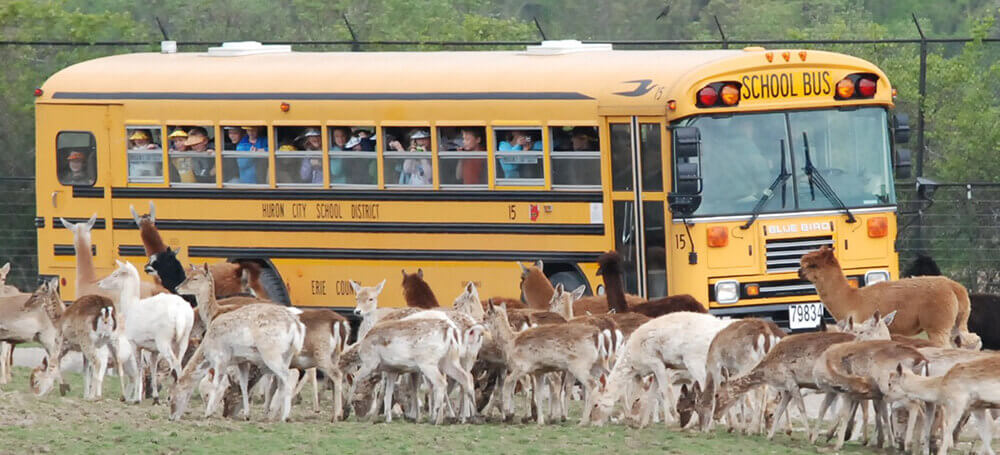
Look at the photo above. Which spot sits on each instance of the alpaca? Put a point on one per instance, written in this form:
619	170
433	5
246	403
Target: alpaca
936	305
535	286
611	269
417	292
984	309
86	274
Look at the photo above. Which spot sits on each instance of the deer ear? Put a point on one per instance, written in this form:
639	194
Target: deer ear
559	289
470	288
206	267
5	268
850	322
523	268
355	286
899	368
578	292
958	341
120	264
889	318
381	284
684	389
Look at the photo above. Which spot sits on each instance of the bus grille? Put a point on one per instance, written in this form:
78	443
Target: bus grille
783	254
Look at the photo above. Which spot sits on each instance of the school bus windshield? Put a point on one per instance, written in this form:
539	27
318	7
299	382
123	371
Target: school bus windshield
741	157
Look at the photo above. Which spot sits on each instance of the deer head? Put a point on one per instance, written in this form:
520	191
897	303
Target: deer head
562	301
468	302
199	283
366	298
3	273
875	328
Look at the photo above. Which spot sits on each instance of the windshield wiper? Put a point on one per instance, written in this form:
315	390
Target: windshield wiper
769	192
816	180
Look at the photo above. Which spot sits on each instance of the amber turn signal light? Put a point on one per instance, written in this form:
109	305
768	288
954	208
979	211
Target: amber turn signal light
730	94
752	290
878	227
718	236
853	282
845	88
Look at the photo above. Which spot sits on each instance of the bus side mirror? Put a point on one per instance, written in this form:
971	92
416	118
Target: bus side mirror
904	163
901	128
686	196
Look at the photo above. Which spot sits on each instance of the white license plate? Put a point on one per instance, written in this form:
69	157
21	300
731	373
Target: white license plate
805	315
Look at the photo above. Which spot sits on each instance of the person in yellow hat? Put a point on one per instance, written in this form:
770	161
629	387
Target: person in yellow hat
177	138
141	140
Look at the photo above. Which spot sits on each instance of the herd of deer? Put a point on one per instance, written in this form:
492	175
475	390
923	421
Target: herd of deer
554	344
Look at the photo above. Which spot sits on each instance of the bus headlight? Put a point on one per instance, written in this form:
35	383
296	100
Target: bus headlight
727	291
875	276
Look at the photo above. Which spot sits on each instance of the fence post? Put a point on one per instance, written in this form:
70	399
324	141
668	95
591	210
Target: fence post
355	45
725	42
923	95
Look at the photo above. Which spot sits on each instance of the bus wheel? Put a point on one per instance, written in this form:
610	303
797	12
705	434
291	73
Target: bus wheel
274	286
569	280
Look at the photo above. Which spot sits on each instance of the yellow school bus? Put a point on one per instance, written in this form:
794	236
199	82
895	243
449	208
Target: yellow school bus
710	171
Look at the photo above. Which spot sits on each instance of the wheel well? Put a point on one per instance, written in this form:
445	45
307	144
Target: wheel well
267	266
559	267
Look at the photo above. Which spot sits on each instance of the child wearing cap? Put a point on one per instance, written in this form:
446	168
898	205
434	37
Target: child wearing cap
416	171
177	138
76	172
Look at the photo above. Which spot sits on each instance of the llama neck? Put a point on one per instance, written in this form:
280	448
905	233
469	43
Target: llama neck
615	292
920	387
836	294
84	259
129	292
151	240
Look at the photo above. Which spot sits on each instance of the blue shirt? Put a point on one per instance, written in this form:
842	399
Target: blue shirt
513	170
248	166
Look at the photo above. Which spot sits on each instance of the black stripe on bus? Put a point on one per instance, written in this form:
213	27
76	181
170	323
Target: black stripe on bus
67	250
99	224
88	192
131	251
398	227
422	255
39	222
320	96
352	195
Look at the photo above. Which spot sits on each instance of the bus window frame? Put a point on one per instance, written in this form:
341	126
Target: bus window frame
91	160
300	153
384	155
457	154
208	126
329	155
537	183
222	154
578	155
146	125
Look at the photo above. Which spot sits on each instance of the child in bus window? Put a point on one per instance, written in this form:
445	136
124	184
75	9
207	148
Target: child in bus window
470	171
76	171
519	140
311	168
252	142
141	140
416	171
203	169
177	138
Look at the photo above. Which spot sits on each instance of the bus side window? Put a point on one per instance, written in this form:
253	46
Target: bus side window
244	158
192	155
519	157
353	156
576	158
462	157
299	157
76	158
408	157
144	145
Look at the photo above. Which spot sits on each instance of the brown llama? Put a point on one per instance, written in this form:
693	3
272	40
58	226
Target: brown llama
417	292
610	268
535	286
936	305
151	240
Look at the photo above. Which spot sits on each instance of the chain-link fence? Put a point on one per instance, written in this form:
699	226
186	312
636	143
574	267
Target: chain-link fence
18	239
956	224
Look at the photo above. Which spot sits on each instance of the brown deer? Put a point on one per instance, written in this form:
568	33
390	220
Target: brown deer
578	349
325	339
936	305
33	317
788	367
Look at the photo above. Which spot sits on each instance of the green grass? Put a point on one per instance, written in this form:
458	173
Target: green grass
55	424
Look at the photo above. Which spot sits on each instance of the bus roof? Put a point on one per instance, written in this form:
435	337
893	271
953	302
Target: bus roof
611	78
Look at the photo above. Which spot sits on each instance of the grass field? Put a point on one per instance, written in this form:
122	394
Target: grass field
55	424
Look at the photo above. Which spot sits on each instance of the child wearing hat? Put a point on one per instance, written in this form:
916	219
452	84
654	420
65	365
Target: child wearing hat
177	138
140	140
76	170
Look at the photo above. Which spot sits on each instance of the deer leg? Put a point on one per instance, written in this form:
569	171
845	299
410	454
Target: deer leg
662	377
782	406
800	402
985	426
847	414
463	378
507	394
390	389
828	399
5	354
951	415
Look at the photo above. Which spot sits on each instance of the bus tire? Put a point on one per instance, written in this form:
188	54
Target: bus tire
274	285
569	280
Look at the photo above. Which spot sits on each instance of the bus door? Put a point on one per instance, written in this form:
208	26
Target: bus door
637	195
73	181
